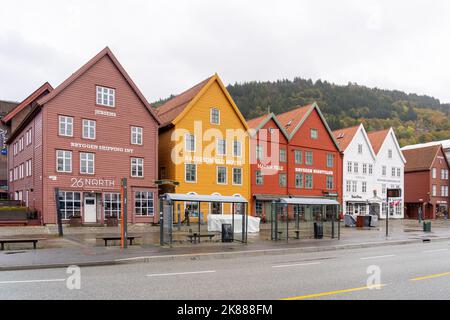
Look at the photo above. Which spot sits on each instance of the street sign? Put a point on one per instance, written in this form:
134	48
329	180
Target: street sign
394	193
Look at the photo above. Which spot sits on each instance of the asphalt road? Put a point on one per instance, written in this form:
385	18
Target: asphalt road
419	271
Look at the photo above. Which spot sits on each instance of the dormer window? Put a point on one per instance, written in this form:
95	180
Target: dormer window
106	96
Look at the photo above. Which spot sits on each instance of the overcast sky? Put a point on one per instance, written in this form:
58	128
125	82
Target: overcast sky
168	46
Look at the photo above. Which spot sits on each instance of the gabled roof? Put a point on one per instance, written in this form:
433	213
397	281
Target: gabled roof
258	123
377	139
45	88
86	67
176	108
345	136
292	120
7	106
420	159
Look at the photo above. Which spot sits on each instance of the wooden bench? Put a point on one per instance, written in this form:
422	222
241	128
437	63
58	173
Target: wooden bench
22	240
115	238
196	236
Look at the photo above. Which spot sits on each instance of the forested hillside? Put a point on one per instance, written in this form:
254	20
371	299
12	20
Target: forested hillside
415	118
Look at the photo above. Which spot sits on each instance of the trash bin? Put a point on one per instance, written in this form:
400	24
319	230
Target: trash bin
227	232
427	226
318	230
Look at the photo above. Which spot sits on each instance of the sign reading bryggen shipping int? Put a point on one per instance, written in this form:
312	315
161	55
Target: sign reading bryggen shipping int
100	147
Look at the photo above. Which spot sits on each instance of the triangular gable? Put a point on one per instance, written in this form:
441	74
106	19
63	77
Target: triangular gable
208	84
352	132
391	134
263	122
86	67
419	159
313	107
46	87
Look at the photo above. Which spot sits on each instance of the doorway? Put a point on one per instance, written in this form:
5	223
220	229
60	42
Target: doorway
90	208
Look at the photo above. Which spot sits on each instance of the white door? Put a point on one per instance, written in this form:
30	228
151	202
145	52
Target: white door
90	209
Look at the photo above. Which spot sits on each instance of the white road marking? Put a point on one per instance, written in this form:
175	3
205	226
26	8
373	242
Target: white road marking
179	273
436	250
32	281
378	257
295	265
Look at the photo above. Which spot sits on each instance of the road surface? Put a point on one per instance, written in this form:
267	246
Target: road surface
417	271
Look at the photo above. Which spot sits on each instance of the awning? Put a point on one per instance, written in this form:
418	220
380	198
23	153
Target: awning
268	197
309	201
203	198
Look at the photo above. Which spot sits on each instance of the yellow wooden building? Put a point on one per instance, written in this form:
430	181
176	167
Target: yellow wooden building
203	145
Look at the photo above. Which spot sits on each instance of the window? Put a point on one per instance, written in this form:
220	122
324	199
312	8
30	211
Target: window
330	182
393	171
21	143
354	186
330	160
16	170
364	168
364	187
221	175
15	148
282	179
28	169
399	172
314	134
63	161
143	203
87	163
308	181
89	129
221	147
348	186
29	136
433	190
237	148
136	135
308	158
298	156
356	167
445	174
383	170
299	180
442	174
433	173
383	188
390	153
137	167
259	177
11	176
442	191
360	148
259	152
106	96
282	155
370	169
190	172
189	142
70	204
112	205
258	208
21	171
65	126
237	176
445	193
349	167
215	116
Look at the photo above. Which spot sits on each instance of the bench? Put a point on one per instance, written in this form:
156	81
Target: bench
23	240
115	238
196	236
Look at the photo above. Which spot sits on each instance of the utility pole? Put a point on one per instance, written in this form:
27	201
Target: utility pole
124	231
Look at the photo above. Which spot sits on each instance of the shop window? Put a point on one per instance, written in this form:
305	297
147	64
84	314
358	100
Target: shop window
143	203
112	205
70	204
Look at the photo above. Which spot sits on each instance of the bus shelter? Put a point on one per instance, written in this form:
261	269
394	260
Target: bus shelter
302	218
201	225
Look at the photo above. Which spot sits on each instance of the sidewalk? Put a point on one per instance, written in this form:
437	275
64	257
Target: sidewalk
81	249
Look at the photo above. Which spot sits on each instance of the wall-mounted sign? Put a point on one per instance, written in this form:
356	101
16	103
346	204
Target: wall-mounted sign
3	138
356	196
92	183
316	171
270	167
209	160
100	147
105	113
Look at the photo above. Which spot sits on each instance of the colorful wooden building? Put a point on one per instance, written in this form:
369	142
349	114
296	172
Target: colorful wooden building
203	146
307	161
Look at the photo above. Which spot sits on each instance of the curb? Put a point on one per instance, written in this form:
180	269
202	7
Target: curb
221	255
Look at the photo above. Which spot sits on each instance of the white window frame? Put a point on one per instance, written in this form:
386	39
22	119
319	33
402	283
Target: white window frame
314	134
309	163
185	172
259	175
280	180
218	149
241	175
383	171
433	190
237	148
355	167
259	152
433	173
370	169
349	167
137	162
11	175
217	175
87	124
187	142
86	161
327	180
15	145
66	124
309	175
211	116
64	159
137	135
21	143
105	94
298	156
299	178
360	148
330	160
364	187
390	153
348	186
354	186
283	155
109	203
145	197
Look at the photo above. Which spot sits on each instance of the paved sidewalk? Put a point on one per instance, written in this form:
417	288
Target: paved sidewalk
81	248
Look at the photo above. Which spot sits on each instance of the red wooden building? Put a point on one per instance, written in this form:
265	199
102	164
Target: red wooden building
426	182
306	161
82	137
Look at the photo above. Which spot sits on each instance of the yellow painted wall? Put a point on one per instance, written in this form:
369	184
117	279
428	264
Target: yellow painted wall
206	173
